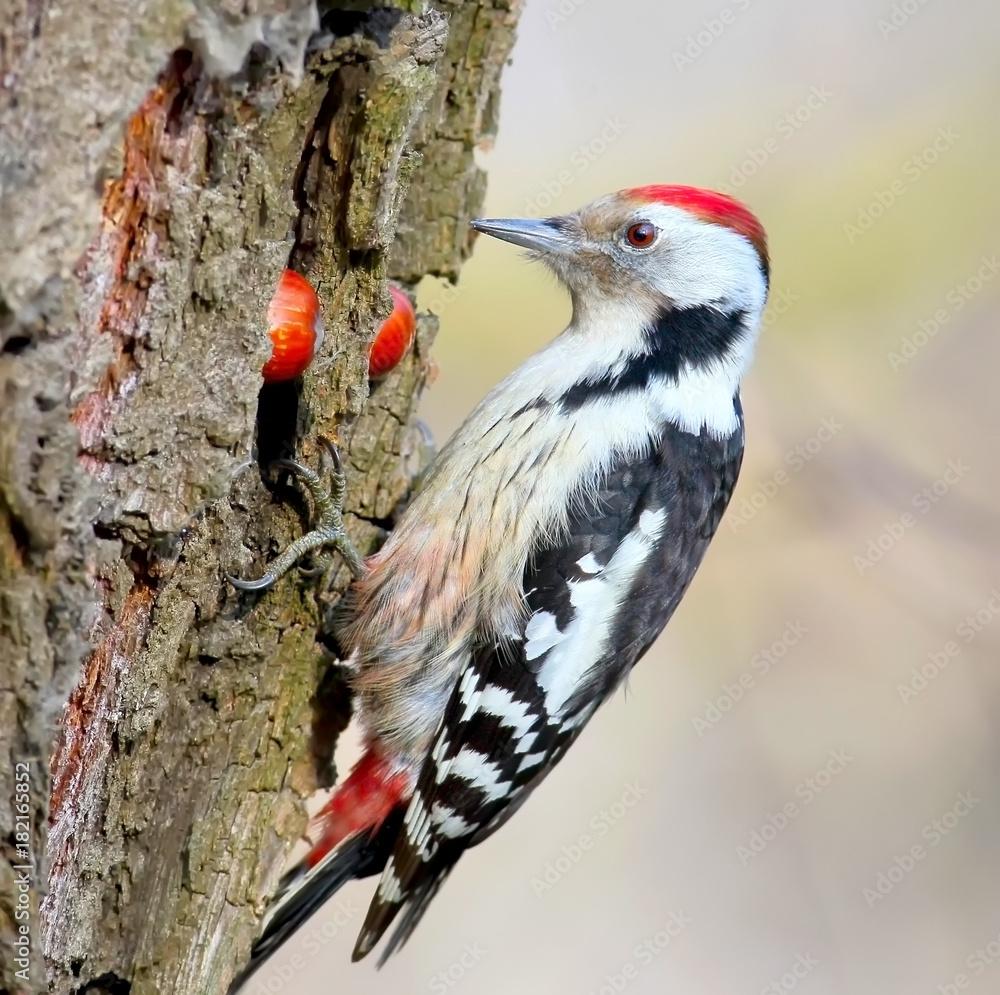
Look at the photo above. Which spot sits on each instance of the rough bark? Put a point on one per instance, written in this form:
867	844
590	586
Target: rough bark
148	202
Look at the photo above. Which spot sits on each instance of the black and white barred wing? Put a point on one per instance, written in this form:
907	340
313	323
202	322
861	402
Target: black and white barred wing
495	743
595	600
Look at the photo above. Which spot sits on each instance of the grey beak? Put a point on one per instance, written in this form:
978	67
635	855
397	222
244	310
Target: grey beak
541	235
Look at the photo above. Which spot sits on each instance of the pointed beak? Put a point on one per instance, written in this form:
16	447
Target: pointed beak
544	235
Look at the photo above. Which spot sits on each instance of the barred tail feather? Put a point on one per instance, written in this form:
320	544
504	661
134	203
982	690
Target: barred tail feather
305	889
382	913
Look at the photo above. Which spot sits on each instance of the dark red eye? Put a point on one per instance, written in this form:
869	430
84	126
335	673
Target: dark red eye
641	235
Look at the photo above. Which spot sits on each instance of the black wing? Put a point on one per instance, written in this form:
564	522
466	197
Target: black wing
596	601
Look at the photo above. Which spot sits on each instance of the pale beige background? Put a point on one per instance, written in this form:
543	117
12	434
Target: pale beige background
878	102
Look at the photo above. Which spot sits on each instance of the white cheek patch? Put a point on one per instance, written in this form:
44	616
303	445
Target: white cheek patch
707	262
596	602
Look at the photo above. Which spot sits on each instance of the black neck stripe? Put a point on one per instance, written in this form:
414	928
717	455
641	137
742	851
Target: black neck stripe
695	336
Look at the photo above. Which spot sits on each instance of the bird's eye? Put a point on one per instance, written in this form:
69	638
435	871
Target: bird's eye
641	235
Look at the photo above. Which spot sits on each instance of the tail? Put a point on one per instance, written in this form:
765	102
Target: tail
358	827
415	901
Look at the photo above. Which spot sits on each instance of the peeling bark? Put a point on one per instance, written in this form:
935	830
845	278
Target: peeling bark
147	210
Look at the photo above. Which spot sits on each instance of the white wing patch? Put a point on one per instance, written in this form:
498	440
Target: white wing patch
588	564
595	602
651	523
541	634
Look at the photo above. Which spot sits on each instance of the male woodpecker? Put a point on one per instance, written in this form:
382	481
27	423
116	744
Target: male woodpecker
549	544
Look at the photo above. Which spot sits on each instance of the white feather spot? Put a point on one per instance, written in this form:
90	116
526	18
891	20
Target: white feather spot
389	888
469	693
512	713
541	634
466	688
418	824
440	748
448	822
479	771
531	760
651	522
589	565
526	742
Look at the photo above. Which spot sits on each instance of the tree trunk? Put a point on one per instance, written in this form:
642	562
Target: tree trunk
159	733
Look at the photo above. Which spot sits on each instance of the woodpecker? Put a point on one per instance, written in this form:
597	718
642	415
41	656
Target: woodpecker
548	545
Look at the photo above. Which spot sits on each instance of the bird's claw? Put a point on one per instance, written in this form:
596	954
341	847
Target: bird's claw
329	530
261	584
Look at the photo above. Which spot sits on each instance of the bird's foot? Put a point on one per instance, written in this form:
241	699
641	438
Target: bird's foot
329	530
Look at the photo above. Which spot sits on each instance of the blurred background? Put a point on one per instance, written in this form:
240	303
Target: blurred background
799	790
